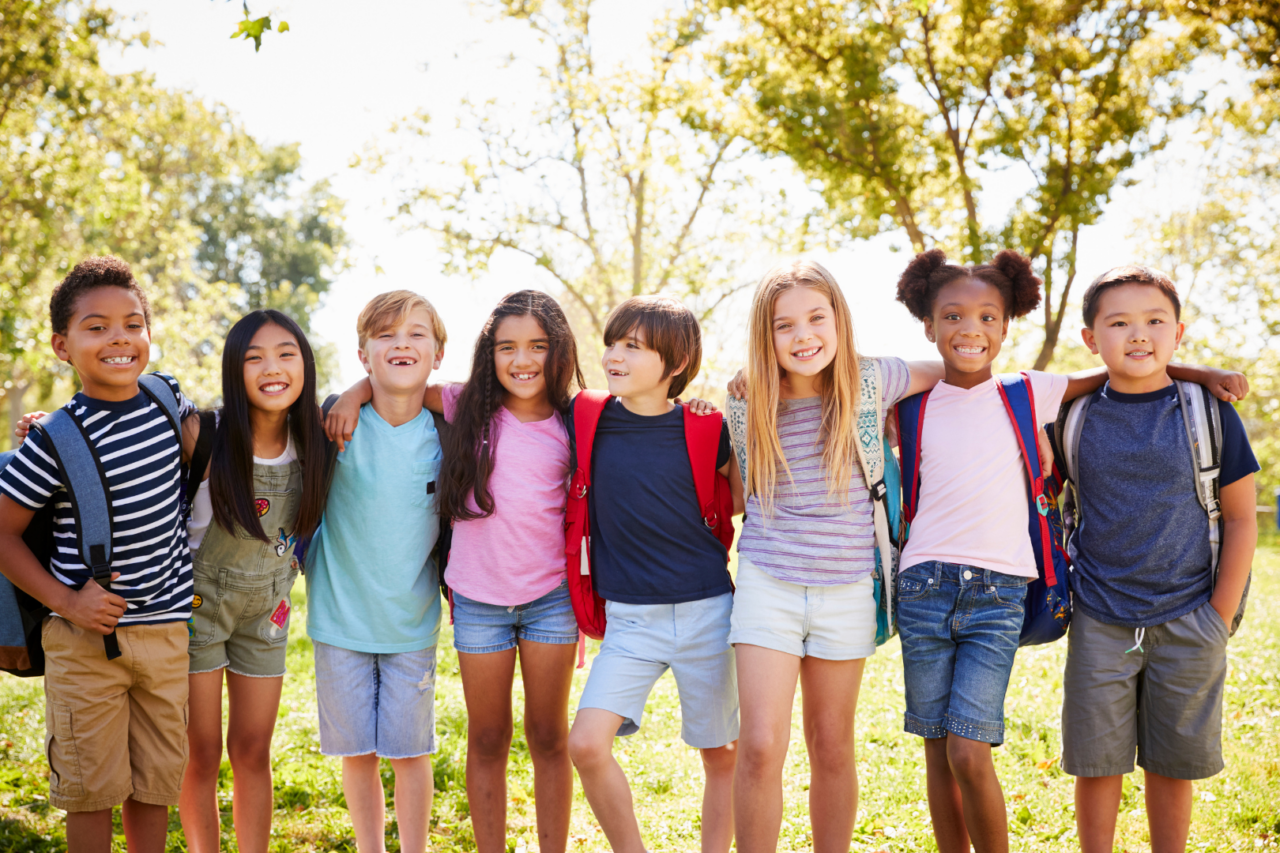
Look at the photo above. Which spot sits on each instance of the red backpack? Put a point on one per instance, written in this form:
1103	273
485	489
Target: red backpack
702	437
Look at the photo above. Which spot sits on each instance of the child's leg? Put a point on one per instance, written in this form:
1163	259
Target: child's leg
945	807
198	805
146	826
547	672
254	704
414	789
830	694
604	783
767	686
717	797
362	787
89	832
1168	812
486	686
1097	808
980	793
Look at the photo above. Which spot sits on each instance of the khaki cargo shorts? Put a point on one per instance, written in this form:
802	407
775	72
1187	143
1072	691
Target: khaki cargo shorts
115	729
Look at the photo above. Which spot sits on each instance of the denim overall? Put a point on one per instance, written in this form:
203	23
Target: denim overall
241	608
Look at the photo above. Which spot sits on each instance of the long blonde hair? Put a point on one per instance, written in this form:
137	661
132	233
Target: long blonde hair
839	383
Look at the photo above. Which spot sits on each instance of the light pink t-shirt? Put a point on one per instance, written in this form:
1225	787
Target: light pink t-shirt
515	555
973	483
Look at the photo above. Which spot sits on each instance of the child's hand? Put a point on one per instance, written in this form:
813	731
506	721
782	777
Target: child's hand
1046	452
24	425
701	407
342	419
93	608
738	386
1229	386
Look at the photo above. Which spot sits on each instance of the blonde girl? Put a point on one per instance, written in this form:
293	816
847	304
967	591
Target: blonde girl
804	607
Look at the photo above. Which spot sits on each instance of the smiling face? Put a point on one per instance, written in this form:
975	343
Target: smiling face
107	342
968	324
805	339
634	370
400	358
1136	331
520	347
274	370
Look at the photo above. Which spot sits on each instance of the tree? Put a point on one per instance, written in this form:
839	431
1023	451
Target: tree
600	183
904	110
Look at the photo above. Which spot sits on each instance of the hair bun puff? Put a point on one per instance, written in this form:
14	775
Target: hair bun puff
913	285
1025	283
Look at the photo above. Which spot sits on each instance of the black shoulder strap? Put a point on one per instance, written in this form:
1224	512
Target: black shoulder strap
201	455
330	447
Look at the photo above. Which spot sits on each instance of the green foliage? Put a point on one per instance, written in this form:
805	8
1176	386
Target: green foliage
253	28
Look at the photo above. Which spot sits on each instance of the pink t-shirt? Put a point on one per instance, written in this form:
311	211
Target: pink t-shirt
515	555
973	484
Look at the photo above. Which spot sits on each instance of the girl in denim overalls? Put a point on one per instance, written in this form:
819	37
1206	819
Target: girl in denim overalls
262	491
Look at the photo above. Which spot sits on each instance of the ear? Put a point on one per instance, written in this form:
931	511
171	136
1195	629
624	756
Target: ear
59	343
1087	334
435	365
364	361
1177	341
684	364
928	329
1004	329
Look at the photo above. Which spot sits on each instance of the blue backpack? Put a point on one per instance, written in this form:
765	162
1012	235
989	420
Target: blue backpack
21	616
1048	602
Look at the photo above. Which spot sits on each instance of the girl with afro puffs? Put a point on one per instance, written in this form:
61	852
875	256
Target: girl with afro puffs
969	558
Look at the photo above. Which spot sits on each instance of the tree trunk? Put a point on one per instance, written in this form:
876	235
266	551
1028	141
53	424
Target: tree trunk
14	396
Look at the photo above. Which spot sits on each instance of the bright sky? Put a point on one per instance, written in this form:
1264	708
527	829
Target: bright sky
347	70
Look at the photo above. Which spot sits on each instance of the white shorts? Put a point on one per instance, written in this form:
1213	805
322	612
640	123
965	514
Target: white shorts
836	622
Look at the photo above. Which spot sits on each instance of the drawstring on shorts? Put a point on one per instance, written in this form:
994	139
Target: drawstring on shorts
1138	635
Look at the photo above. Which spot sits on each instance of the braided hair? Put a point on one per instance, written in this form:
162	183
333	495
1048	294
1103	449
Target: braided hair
1010	273
473	434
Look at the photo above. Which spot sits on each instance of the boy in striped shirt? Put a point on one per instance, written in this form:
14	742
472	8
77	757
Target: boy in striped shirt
116	728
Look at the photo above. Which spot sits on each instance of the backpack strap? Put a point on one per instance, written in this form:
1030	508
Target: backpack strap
200	456
1067	431
161	393
588	406
86	483
330	447
1203	422
910	413
1020	402
870	450
736	415
702	437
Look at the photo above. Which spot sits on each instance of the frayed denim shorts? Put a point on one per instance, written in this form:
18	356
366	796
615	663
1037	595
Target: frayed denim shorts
379	703
480	628
960	627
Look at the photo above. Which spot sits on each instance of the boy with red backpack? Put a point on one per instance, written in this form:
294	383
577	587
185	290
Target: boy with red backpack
658	561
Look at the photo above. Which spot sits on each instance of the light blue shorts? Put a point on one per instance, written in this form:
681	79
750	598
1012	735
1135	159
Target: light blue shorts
480	629
642	641
380	703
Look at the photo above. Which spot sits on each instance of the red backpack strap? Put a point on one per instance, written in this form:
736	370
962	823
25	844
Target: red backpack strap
588	406
702	437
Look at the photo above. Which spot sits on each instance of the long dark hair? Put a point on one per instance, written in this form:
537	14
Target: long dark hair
231	475
468	453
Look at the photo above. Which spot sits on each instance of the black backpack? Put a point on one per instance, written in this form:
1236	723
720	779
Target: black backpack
82	475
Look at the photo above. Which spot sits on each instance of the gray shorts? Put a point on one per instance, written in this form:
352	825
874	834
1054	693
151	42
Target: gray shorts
1164	699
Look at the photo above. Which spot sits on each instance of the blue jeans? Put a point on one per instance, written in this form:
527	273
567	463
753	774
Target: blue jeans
380	703
480	628
959	627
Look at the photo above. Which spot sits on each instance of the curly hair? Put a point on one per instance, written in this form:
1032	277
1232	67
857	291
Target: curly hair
470	441
90	274
1009	273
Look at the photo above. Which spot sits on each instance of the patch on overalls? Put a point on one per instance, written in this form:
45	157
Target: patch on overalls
262	505
196	601
283	542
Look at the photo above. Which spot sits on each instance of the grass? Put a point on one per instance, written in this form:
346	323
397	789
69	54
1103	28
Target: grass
1237	810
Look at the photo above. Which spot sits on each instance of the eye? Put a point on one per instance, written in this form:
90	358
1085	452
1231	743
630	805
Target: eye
988	318
1118	324
953	316
817	318
782	327
1156	321
540	347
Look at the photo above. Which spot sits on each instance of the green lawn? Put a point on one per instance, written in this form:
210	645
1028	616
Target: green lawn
1237	810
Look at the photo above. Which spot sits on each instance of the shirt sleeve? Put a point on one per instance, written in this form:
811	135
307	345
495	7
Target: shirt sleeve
1238	460
32	476
1049	389
449	398
897	376
185	406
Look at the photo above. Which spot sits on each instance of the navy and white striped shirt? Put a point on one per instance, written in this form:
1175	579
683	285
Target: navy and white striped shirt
142	459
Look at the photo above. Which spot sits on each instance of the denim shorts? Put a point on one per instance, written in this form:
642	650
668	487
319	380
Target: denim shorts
379	703
480	628
643	641
960	627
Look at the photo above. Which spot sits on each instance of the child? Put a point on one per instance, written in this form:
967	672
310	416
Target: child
264	492
116	727
804	606
1146	657
503	484
373	600
969	558
662	572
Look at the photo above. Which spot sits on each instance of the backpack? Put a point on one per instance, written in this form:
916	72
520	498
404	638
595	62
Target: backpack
702	438
1203	423
1048	601
85	481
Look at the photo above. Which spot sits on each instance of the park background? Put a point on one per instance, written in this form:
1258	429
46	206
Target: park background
308	155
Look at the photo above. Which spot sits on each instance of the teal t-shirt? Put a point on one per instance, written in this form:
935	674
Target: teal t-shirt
371	583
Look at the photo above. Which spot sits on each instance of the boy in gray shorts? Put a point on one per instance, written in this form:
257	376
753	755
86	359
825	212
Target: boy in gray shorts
1146	658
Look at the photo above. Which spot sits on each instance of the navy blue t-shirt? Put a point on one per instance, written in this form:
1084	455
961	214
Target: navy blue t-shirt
649	544
1141	552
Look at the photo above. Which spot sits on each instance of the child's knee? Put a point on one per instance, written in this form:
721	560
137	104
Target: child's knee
490	742
249	751
720	760
969	759
204	755
587	749
546	738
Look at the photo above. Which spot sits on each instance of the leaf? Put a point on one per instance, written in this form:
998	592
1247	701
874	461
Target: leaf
1024	815
283	28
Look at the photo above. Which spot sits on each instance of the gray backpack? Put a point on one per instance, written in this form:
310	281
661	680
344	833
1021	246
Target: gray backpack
1203	423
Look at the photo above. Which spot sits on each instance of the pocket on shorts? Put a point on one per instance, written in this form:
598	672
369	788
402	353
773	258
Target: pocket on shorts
64	771
273	626
1012	597
1213	617
913	585
206	598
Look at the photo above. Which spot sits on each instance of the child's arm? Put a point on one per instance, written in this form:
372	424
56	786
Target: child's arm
735	483
1223	384
91	607
924	375
1239	539
345	414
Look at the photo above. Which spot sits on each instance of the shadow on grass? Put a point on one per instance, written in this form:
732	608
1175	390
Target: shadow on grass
17	836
